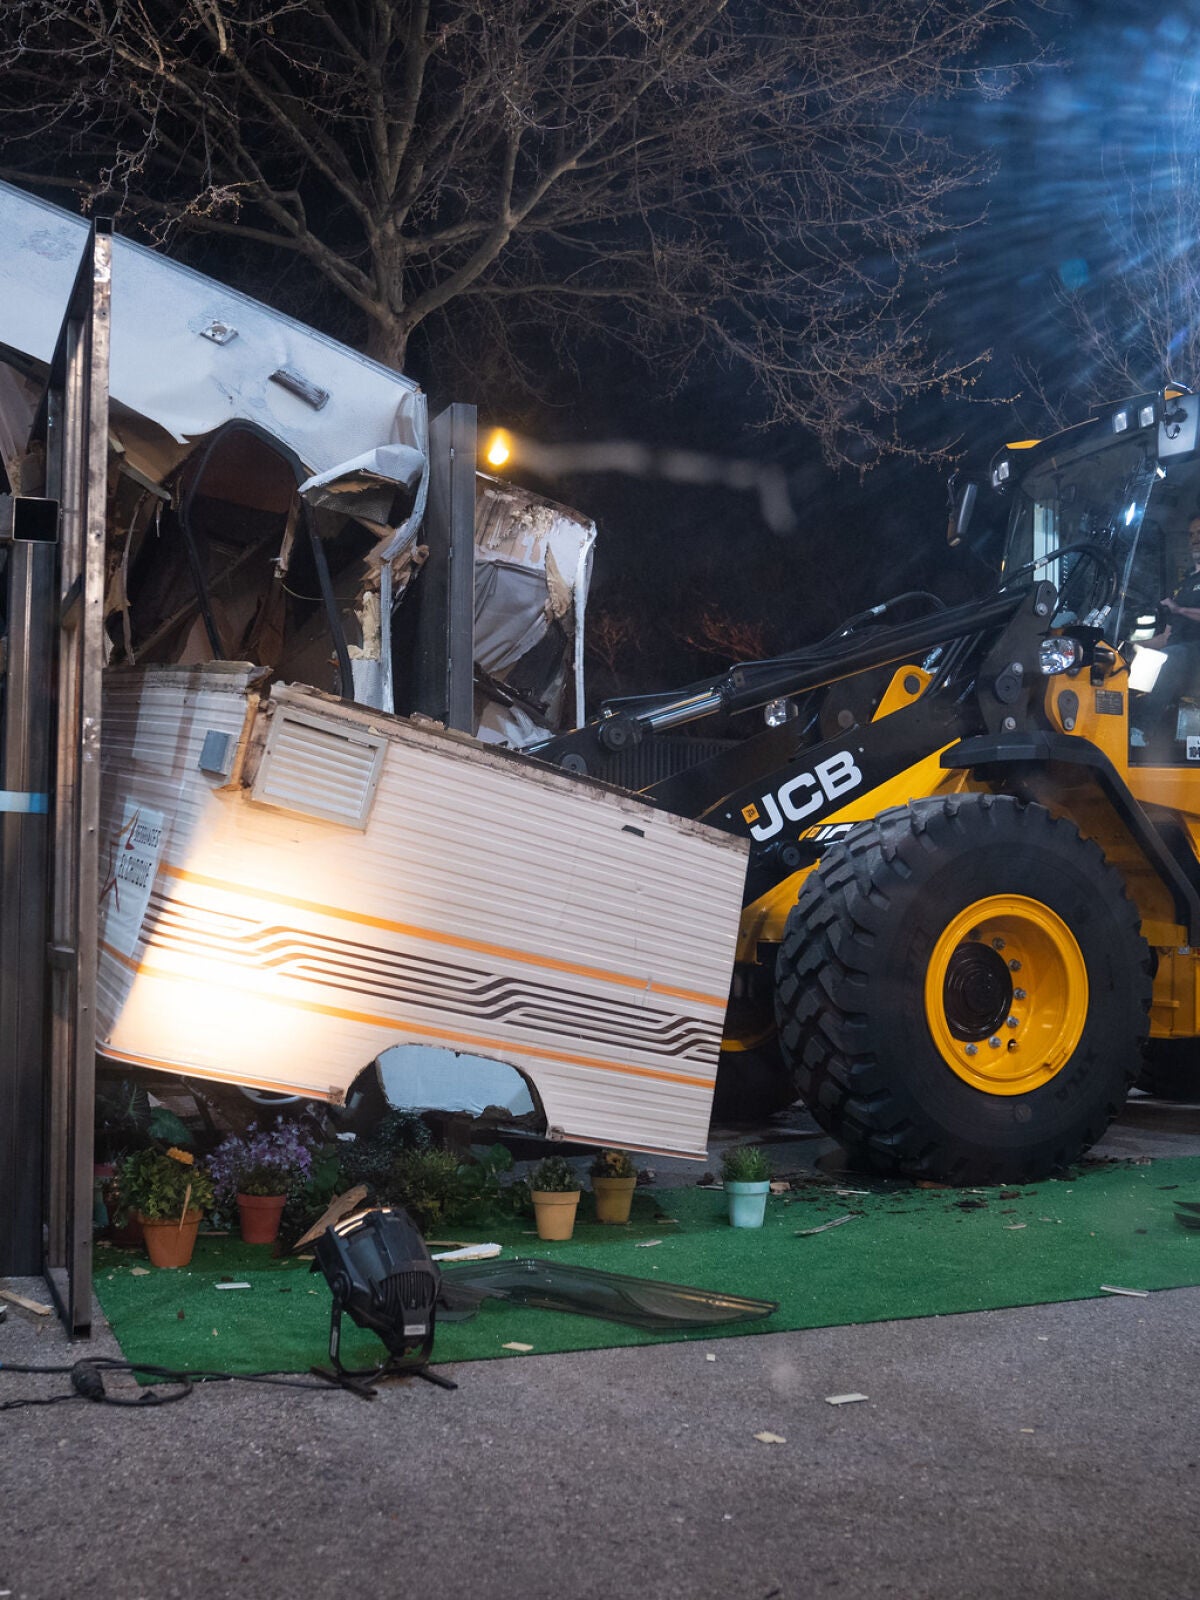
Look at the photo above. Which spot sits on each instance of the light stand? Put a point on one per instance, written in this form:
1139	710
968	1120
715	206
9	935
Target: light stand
380	1272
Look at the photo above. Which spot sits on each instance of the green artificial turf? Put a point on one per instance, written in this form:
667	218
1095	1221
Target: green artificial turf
907	1252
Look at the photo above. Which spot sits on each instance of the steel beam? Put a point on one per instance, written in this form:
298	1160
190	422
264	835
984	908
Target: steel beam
445	661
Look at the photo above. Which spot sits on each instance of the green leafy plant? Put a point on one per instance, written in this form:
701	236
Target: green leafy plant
312	1198
126	1121
745	1163
369	1160
613	1164
424	1182
553	1175
482	1194
160	1184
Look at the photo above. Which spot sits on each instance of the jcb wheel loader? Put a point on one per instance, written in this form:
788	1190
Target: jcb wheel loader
971	900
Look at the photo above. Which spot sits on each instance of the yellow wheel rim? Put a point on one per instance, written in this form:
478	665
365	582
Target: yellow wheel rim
1006	994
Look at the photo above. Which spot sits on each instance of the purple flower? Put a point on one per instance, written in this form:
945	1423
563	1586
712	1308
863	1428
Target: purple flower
273	1160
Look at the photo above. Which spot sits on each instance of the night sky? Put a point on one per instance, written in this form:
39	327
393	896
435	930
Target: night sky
1072	143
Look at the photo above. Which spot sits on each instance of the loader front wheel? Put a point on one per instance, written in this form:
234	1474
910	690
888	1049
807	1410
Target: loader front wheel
962	991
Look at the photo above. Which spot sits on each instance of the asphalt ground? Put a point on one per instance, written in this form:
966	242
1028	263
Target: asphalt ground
1047	1451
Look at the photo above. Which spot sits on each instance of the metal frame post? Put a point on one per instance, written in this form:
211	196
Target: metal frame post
24	827
80	373
445	665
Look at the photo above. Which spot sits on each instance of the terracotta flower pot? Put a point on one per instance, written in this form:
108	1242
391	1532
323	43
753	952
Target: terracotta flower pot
260	1215
614	1198
555	1212
170	1243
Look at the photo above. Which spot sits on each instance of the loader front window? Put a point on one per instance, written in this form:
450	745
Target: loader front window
1076	523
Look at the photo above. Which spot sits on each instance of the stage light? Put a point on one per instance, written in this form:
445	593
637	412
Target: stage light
499	450
380	1273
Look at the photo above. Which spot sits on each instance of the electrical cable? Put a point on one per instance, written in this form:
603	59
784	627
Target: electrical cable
87	1382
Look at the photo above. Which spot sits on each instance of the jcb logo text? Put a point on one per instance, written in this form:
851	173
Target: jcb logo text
802	795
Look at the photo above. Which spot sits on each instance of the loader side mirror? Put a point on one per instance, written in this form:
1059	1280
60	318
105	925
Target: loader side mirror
962	506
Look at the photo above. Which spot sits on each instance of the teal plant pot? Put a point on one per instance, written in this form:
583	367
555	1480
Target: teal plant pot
747	1203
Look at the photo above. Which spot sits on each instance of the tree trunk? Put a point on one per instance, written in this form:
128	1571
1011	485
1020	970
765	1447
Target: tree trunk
386	340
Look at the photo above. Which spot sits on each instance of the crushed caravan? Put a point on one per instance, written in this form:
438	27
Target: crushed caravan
295	878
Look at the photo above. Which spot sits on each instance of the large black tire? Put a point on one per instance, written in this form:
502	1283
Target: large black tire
914	1040
1171	1070
753	1084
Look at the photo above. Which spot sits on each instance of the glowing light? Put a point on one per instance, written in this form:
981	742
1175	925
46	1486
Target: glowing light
498	450
1131	513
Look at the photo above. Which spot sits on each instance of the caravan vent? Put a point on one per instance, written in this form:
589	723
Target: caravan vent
323	769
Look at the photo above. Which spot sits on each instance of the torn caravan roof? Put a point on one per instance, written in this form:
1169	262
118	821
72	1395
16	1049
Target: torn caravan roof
227	415
190	354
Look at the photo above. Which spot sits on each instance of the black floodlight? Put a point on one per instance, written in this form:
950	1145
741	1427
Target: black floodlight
381	1274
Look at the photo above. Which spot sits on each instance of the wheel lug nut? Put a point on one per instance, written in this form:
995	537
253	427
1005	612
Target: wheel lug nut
1019	994
1013	1023
972	1050
1014	966
994	1042
997	944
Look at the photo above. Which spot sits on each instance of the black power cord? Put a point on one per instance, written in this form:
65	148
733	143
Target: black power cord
87	1383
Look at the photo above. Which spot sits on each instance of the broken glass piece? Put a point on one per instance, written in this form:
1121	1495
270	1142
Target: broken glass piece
613	1296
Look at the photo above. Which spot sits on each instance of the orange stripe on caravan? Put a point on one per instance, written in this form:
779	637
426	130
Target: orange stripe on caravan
453	939
443	1035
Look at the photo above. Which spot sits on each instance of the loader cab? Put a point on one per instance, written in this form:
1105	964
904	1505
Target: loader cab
1102	511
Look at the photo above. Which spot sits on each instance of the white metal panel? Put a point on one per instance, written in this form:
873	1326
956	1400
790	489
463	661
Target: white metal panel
155	721
491	905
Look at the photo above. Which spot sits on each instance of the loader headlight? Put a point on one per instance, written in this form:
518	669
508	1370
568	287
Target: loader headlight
777	712
1058	655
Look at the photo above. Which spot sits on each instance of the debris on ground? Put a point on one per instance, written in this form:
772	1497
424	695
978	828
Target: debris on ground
15	1299
844	1399
513	1344
340	1206
770	1438
803	1233
1112	1288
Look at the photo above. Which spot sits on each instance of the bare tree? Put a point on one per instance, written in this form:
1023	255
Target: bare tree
730	639
749	179
610	634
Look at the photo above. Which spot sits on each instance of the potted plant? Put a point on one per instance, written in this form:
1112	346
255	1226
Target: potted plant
614	1178
167	1192
258	1170
126	1120
555	1192
747	1175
